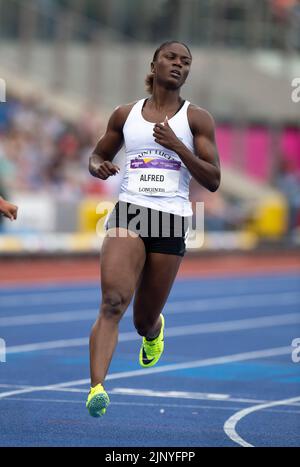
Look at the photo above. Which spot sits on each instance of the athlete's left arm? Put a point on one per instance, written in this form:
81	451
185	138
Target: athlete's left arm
205	167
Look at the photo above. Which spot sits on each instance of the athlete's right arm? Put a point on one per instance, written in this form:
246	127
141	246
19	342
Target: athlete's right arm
100	163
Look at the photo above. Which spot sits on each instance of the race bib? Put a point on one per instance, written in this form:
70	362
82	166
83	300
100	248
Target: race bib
154	177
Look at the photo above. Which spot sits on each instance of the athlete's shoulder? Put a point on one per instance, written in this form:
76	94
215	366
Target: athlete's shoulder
200	113
120	114
200	118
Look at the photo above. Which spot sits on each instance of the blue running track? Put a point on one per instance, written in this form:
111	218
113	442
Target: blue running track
226	378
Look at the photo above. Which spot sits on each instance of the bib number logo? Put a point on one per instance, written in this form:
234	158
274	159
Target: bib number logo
150	176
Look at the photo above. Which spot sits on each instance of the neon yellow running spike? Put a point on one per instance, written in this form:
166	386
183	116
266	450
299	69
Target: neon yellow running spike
151	351
97	401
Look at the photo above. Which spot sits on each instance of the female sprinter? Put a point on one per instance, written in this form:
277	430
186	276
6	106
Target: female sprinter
161	158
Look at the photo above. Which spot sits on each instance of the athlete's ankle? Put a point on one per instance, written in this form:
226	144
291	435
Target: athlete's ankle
93	385
149	339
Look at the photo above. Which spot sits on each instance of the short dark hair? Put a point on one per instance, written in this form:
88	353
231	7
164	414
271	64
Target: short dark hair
149	77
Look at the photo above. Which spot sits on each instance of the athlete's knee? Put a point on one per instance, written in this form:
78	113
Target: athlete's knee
114	303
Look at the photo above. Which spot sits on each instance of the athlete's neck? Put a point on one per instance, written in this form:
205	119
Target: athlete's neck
164	98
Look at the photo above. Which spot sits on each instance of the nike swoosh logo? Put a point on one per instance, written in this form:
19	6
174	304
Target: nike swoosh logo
146	361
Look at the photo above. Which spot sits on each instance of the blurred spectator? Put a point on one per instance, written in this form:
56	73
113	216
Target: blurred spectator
39	151
281	8
288	181
219	213
234	10
294	22
287	12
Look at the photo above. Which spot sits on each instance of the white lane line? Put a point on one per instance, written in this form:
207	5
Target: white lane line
230	424
88	296
256	354
13	385
144	404
140	404
183	395
177	307
55	297
170	394
161	394
195	329
151	393
236	301
44	318
48	345
134	391
202	305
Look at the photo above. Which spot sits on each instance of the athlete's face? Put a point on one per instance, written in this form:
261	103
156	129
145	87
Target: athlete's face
172	66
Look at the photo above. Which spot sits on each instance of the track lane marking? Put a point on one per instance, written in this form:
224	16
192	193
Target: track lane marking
256	354
144	404
177	331
230	424
176	307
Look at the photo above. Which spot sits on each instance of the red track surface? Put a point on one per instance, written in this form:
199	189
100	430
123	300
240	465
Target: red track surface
24	271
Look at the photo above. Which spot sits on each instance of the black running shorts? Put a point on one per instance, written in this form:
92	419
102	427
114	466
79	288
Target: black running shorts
160	231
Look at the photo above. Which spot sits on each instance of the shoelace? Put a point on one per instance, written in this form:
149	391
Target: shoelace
153	348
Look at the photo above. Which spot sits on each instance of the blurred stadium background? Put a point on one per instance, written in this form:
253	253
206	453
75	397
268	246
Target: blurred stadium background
67	64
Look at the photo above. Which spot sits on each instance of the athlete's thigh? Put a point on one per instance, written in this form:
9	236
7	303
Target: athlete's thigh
121	262
155	284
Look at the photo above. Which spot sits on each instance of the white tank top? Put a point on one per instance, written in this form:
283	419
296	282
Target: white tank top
155	176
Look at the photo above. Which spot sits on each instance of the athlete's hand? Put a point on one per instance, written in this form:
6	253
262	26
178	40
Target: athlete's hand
105	169
8	210
165	136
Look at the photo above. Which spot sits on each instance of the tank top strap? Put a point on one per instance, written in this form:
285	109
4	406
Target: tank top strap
137	108
135	113
181	113
184	107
